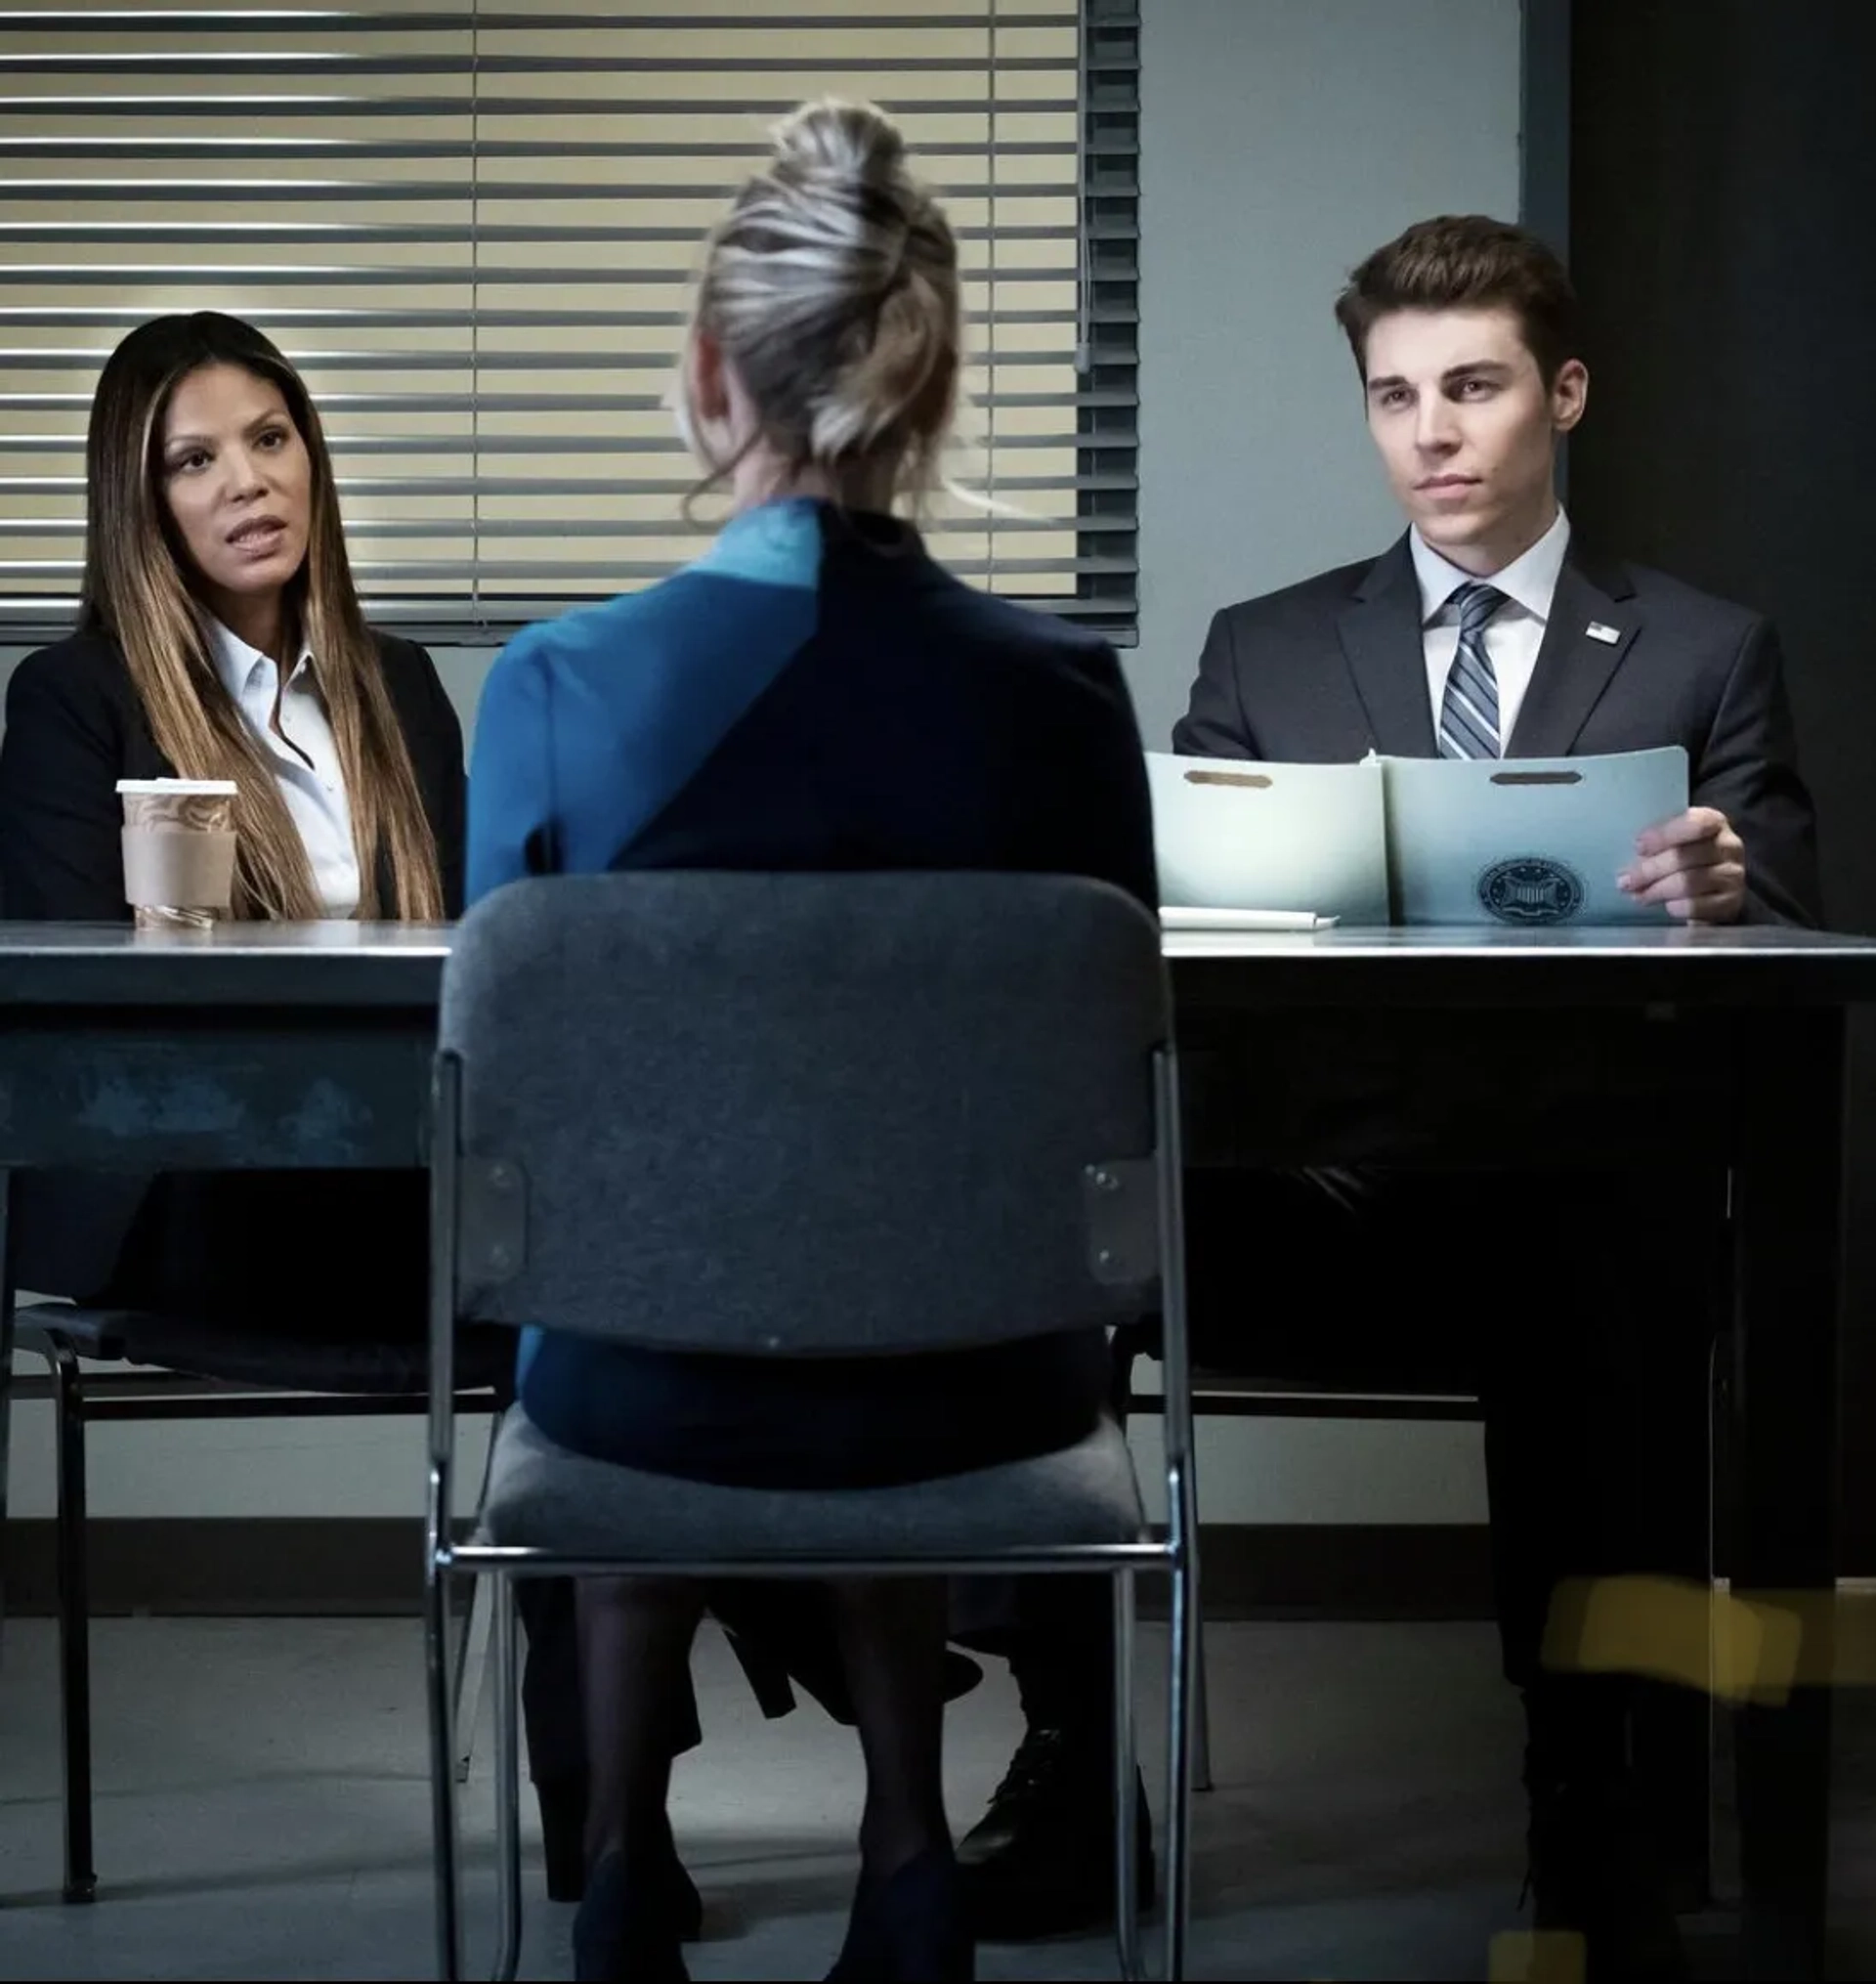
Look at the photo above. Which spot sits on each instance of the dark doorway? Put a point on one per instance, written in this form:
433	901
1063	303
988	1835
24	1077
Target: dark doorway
1721	227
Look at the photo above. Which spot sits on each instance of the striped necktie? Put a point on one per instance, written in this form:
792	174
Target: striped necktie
1468	715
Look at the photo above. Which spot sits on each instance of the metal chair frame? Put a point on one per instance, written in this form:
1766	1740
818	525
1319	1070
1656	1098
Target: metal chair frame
1173	1557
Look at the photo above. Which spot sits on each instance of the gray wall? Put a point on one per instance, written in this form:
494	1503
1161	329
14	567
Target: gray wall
1281	140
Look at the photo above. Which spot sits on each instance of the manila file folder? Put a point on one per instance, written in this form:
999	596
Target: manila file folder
1524	843
1240	833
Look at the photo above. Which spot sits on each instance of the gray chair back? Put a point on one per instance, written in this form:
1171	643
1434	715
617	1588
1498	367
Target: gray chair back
801	1114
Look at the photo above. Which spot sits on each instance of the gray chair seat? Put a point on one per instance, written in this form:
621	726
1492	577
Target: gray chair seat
543	1496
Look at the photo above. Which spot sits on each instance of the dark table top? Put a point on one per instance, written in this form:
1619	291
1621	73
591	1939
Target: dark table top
1756	965
331	964
400	965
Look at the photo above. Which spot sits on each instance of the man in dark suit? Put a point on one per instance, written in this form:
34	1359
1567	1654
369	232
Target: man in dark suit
1485	631
1467	401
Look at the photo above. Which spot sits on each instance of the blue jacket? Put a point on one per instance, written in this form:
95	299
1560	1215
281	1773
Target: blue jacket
814	693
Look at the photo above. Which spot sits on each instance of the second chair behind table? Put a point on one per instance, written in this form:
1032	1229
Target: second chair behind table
777	1115
187	1367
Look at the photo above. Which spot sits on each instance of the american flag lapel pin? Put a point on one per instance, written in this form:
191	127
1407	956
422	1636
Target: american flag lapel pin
1601	630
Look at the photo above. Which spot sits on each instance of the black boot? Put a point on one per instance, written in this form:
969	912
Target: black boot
563	1831
1594	1872
1040	1862
563	1835
624	1931
910	1926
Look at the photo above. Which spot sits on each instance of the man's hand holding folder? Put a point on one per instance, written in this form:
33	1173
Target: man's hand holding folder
1693	865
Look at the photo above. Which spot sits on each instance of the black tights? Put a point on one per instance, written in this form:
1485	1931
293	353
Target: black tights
635	1639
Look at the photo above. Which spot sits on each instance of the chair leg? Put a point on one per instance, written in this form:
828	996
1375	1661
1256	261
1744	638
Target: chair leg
1201	1692
507	1781
443	1773
1176	1885
472	1650
1201	1698
1201	1720
472	1665
1127	1886
74	1622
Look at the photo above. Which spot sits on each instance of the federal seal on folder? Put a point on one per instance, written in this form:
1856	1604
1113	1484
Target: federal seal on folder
1530	889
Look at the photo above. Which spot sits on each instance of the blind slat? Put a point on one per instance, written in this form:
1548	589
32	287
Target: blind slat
359	192
457	357
398	20
279	103
206	146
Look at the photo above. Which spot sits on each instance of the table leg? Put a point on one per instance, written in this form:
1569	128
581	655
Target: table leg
1788	1241
1674	1725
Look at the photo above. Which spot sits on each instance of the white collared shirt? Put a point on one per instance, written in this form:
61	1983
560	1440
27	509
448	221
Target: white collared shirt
304	757
1514	634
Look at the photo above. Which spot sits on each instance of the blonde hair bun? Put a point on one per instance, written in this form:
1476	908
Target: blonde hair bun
838	144
831	286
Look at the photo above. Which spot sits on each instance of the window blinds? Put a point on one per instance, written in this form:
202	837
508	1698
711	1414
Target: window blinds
473	228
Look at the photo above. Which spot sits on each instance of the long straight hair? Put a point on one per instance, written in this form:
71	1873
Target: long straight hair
139	590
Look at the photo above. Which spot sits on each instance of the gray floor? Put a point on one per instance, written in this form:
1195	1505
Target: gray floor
262	1812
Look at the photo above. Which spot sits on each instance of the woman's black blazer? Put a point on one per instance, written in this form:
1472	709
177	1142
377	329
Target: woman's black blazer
74	727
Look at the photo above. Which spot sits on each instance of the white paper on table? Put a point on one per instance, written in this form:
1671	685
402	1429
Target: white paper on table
1298	839
1176	919
1524	841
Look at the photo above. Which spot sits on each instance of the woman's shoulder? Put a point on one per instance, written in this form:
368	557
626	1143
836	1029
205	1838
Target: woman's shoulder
73	711
970	616
82	669
401	657
1038	653
690	635
604	626
759	566
1036	633
396	647
85	655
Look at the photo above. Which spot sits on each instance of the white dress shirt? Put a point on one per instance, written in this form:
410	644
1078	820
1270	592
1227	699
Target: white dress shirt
1514	634
304	759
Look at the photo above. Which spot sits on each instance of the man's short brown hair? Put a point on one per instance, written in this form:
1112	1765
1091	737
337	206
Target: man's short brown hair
1466	262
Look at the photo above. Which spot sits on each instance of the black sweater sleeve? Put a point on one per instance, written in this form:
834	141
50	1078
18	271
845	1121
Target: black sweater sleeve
61	819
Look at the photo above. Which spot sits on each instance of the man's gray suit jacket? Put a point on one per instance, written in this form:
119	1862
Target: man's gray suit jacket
1326	670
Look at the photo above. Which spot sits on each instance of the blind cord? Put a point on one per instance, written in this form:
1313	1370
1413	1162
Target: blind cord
990	533
475	312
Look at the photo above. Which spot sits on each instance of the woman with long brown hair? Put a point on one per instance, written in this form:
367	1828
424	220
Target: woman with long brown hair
220	637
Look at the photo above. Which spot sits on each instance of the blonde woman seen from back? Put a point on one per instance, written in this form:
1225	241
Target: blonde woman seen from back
816	692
